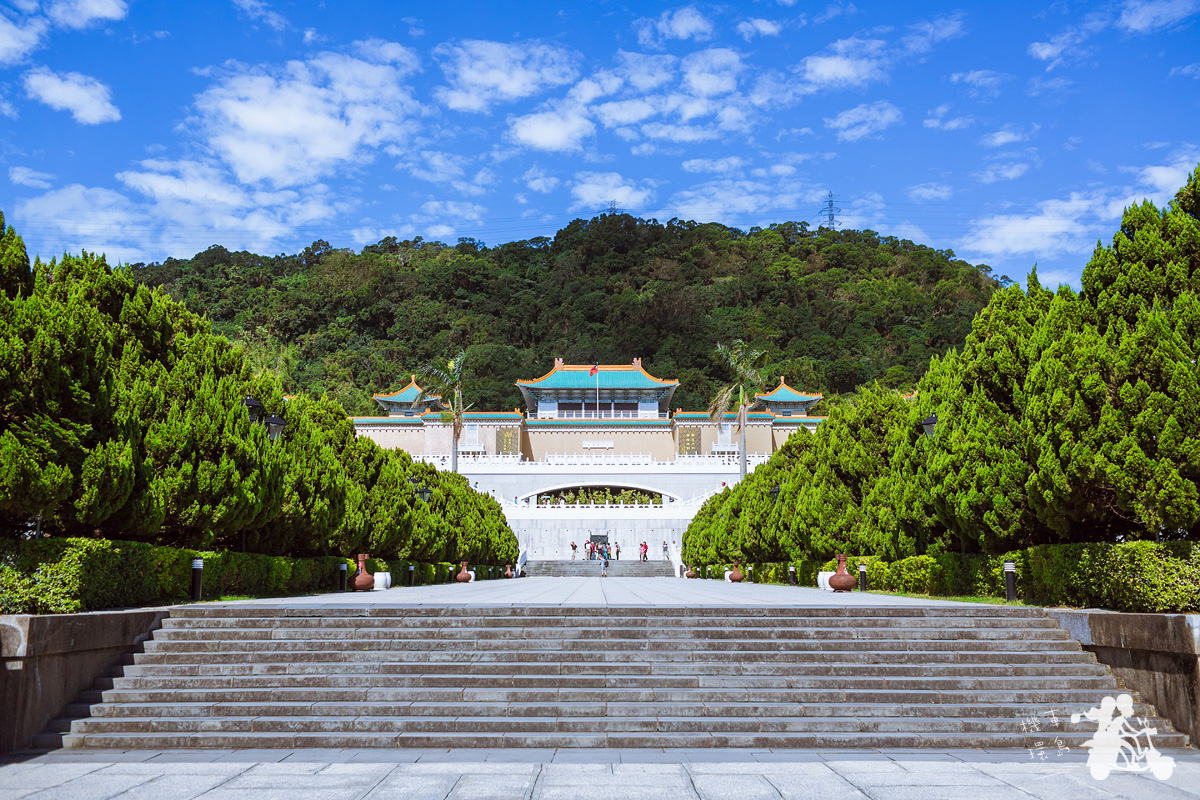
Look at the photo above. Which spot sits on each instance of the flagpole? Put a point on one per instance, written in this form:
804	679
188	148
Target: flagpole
597	391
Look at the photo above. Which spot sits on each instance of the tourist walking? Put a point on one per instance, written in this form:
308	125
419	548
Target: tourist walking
617	547
665	556
604	568
574	547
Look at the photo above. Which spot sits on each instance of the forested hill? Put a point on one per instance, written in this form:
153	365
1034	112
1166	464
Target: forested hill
835	309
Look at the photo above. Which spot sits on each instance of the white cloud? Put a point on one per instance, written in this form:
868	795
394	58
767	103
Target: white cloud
483	73
645	72
447	169
720	166
625	112
88	100
1005	171
1059	47
260	10
78	14
1039	86
683	23
679	133
82	218
1146	16
1009	134
294	124
864	120
1189	71
24	176
752	27
1164	180
458	210
557	129
937	119
924	192
712	72
18	40
598	85
538	180
594	190
850	62
1058	226
925	34
982	82
190	201
739	202
312	37
835	10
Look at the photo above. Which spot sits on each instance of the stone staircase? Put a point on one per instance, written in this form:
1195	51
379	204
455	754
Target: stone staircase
253	676
582	568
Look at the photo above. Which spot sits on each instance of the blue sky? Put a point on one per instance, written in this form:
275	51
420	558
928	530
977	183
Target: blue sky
1011	133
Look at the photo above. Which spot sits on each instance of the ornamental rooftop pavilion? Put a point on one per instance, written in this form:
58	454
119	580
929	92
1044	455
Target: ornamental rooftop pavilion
578	411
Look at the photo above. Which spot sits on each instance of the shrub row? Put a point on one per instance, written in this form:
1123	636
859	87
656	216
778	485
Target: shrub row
64	575
1133	576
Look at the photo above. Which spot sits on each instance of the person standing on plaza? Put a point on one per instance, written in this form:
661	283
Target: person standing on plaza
617	548
574	547
604	568
665	556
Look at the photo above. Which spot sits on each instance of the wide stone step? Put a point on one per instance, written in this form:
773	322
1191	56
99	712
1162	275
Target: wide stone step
623	740
573	626
466	677
522	676
549	724
333	661
1068	691
611	614
352	709
562	682
546	637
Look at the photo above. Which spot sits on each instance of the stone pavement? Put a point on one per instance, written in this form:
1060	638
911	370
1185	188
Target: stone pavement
577	775
600	592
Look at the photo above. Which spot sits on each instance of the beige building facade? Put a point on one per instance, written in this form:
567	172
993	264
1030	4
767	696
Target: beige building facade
600	412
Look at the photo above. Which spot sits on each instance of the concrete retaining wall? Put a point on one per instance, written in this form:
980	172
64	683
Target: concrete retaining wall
46	661
1157	655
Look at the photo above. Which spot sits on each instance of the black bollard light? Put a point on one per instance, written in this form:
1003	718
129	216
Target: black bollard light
342	577
1010	580
791	574
862	577
412	574
197	579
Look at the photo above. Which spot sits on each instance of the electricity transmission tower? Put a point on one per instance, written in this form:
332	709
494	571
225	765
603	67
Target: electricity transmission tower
613	208
831	212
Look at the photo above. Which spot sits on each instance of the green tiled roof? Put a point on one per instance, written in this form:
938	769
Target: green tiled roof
786	394
575	376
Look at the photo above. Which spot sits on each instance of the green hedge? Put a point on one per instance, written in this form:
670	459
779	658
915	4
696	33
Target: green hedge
1135	576
63	575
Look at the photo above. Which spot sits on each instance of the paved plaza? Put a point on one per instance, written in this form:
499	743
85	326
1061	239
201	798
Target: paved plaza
670	592
577	775
584	773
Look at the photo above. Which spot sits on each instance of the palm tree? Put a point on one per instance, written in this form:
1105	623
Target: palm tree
446	383
747	381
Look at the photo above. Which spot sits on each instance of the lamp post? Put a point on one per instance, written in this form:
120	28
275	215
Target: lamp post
929	424
774	494
421	489
275	426
253	408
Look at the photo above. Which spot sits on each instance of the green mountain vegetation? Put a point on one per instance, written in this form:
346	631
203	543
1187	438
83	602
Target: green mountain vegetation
1064	418
122	416
832	309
